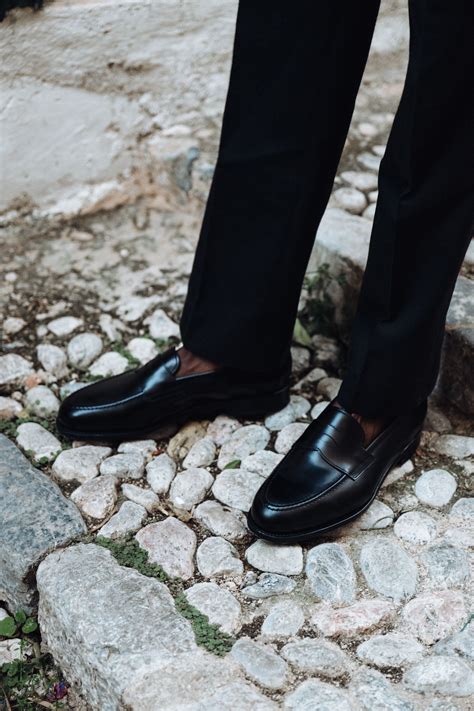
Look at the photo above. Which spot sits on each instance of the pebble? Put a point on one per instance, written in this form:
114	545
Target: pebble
170	544
80	463
53	359
288	436
220	606
350	621
135	307
350	199
434	615
111	327
313	694
260	663
310	380
128	519
189	488
143	349
369	161
145	447
237	488
377	516
13	325
284	620
96	498
221	521
447	565
83	349
389	569
144	497
301	359
222	428
316	656
415	527
390	650
244	441
268	585
456	446
126	465
180	444
330	573
319	408
373	196
375	693
329	388
435	487
398	473
273	558
217	557
280	419
262	462
360	180
108	364
460	643
463	510
160	473
64	325
161	326
35	439
72	387
327	351
441	675
41	401
9	408
369	212
367	129
10	649
201	454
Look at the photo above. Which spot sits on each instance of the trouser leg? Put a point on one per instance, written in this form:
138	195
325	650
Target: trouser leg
423	218
295	74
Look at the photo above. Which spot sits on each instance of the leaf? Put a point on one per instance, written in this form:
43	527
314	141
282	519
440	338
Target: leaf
30	626
20	617
234	464
7	627
301	335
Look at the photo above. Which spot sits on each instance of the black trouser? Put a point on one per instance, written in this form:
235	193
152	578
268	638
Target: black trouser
295	74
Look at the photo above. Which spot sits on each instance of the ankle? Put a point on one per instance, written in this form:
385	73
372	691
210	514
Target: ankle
372	426
191	364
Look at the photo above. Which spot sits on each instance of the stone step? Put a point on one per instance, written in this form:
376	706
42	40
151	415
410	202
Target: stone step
35	519
343	243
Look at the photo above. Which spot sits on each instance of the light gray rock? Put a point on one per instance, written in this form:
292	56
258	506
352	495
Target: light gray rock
375	693
435	487
273	558
189	488
161	326
415	527
90	610
111	327
108	364
397	473
360	179
217	557
128	519
388	569
135	307
141	496
461	643
9	408
301	359
83	349
313	694
126	465
276	421
10	649
237	488
96	498
260	663
268	585
201	454
143	349
222	428
53	359
13	325
441	675
41	401
160	473
350	199
316	656
310	380
284	620
36	518
35	439
244	441
369	212
64	325
434	615
350	621
369	161
456	446
463	510
220	606
288	436
145	447
378	515
329	387
221	521
262	462
71	387
331	573
180	444
170	544
447	565
80	463
300	405
319	408
390	650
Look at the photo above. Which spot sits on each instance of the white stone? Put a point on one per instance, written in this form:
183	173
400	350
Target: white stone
360	180
160	472
108	364
180	444
388	569
369	161
71	387
170	544
10	649
128	519
390	650
145	447
350	199
316	656
273	558
288	436
41	401
201	454
350	621
143	349
329	387
111	327
300	405
460	643
456	446
310	380
244	441
83	349
216	557
262	462
222	428
312	695
377	516
435	487
9	408
280	419
221	521
161	326
143	497
53	359
260	663
13	325
369	212
64	325
33	438
415	527
237	488
126	465
13	368
135	307
189	488
331	573
319	408
220	606
373	691
447	566
463	510
284	620
96	497
80	463
301	359
268	585
433	616
398	473
441	675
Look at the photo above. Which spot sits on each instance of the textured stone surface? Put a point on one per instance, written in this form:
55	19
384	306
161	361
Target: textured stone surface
53	359
96	497
441	675
262	462
221	520
331	573
457	446
317	656
378	515
260	663
435	487
161	326
180	444
461	642
189	488
348	621
108	364
447	565
145	447
9	408
171	544
143	497
36	518
128	519
244	441
237	488
388	569
83	349
217	557
41	401
272	558
435	615
38	441
415	527
64	325
288	436
127	465
313	694
222	428
268	585
201	454
390	650
373	691
284	620
220	606
80	463
160	473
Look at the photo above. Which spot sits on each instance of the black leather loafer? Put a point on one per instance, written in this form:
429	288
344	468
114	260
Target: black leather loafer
328	478
139	402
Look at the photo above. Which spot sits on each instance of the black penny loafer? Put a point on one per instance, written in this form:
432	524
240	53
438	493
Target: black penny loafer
328	477
139	402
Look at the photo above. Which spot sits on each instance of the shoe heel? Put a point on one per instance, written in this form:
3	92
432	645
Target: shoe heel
409	451
259	406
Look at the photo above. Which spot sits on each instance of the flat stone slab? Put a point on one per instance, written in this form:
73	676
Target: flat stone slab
36	518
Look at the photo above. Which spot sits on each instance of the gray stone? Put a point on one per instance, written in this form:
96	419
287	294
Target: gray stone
378	515
143	497
390	650
369	212
276	421
331	573
53	359
222	428
432	616
180	444
220	606
310	380
72	387
360	180
108	364
189	488
415	527
329	387
13	325
273	558
41	401
350	199
9	408
145	447
14	368
350	621
388	569
435	487
244	441
36	518
128	519
447	565
456	446
316	656
80	463
260	663
463	510
268	585
436	420
170	544
90	610
288	436
285	619
135	307
221	521
375	693
461	643
201	454
397	473
262	462
237	488
301	359
161	326
64	325
319	408
313	694
369	161
160	473
126	465
96	498
441	675
82	350
143	349
11	649
217	557
35	439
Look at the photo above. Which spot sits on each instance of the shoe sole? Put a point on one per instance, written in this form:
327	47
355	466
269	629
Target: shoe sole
302	536
247	408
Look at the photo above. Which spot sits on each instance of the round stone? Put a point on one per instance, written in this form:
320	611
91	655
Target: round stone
313	694
222	428
316	656
108	364
53	359
96	497
278	420
369	161
260	663
217	557
35	439
160	473
201	454
80	463
189	488
180	444
268	585
390	650
13	325
433	616
447	565
128	465
456	446
262	462
378	515
64	325
128	519
284	620
331	573
435	487
161	326
319	408
463	510
221	521
220	606
145	447
143	349
9	408
288	436
460	643
329	388
83	349
388	569
143	497
373	691
272	558
237	488
244	441
350	621
41	401
360	179
350	199
441	675
415	527
170	544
